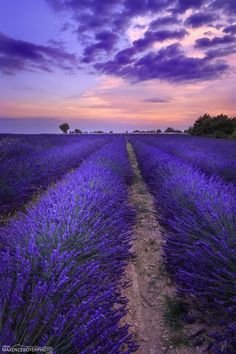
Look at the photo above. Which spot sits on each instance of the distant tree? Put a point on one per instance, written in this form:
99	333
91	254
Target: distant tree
97	132
202	125
223	124
220	126
111	132
233	136
78	131
158	131
169	130
64	127
136	131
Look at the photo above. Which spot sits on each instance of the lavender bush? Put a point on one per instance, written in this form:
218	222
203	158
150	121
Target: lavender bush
62	262
213	156
27	170
14	145
199	214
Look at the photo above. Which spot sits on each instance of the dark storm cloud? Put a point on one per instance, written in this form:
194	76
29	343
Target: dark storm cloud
200	19
207	43
170	64
18	55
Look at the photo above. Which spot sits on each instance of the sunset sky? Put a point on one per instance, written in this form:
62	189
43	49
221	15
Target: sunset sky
115	64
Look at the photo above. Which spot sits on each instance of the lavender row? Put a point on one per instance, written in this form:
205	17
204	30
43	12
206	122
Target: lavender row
213	156
23	174
63	261
199	214
15	145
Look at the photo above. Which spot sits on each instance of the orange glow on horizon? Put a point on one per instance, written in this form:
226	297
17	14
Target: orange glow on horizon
113	99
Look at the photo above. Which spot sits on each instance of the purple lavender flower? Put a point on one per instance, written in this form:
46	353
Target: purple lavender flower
198	211
63	260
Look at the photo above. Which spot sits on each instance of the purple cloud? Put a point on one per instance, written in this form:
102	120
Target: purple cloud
207	43
162	21
184	5
159	36
125	56
157	100
102	33
230	29
228	6
105	41
170	64
95	16
16	55
221	52
139	26
200	19
116	15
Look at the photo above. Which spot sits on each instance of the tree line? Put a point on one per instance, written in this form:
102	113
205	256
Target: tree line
65	129
220	126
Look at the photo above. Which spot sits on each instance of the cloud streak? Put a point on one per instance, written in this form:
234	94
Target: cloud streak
17	55
216	41
170	64
157	100
200	19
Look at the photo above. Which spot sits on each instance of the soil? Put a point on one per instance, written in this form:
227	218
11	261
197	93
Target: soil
150	284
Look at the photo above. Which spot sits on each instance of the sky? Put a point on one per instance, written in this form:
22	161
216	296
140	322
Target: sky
115	64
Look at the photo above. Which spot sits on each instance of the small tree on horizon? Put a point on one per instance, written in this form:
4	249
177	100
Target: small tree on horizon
78	131
64	127
169	130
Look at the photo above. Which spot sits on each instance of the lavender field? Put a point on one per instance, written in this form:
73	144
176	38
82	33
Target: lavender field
68	233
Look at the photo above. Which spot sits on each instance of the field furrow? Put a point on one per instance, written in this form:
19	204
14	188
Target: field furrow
150	285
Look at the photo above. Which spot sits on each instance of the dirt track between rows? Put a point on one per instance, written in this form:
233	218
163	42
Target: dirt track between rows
149	282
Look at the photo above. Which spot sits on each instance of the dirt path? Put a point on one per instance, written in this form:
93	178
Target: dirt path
149	283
